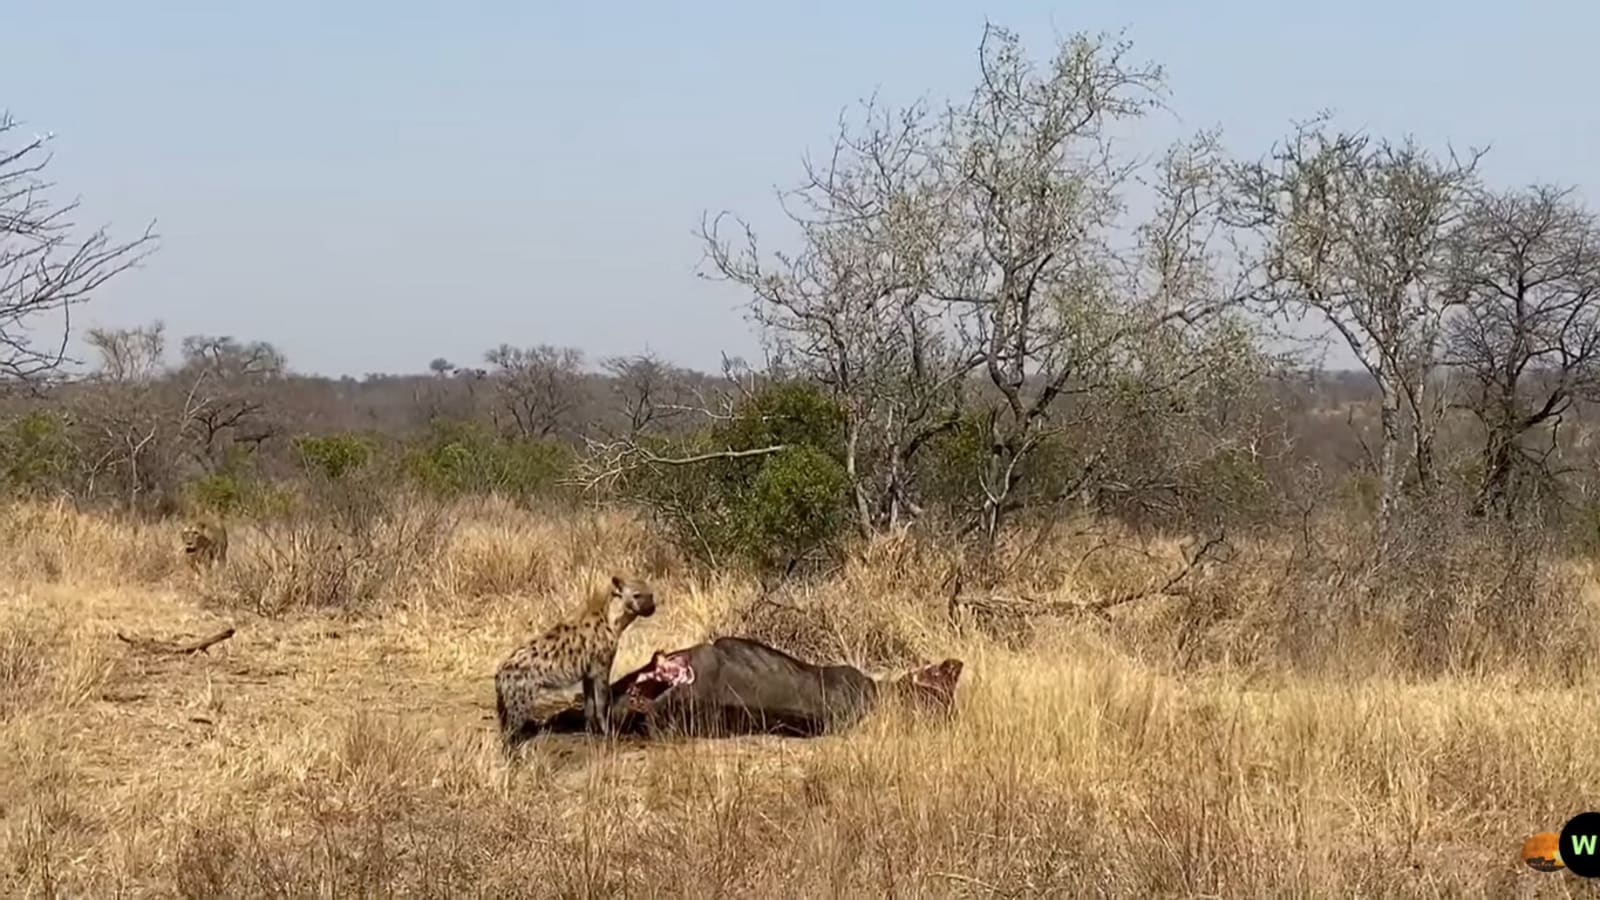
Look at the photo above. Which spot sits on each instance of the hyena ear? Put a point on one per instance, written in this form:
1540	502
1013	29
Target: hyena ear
616	584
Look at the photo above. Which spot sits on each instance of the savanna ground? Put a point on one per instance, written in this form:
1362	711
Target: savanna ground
1166	751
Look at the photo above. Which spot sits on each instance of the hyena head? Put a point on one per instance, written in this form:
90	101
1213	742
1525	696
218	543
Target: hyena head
630	598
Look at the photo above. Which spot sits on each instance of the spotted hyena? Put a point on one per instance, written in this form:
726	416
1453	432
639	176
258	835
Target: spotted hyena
575	652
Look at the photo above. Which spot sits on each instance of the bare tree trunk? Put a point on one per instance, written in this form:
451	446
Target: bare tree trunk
1423	451
1498	459
857	489
1423	430
1388	457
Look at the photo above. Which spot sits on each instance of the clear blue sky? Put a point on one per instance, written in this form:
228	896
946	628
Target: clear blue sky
370	185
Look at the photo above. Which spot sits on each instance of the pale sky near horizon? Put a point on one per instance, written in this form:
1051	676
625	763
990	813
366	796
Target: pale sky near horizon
372	185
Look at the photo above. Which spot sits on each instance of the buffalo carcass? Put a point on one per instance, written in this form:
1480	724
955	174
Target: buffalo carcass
736	685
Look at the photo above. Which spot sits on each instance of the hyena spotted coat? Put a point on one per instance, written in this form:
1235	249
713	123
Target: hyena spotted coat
577	652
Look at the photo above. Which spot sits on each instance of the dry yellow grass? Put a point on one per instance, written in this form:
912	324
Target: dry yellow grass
326	755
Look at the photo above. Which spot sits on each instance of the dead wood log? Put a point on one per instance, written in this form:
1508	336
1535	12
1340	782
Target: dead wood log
176	648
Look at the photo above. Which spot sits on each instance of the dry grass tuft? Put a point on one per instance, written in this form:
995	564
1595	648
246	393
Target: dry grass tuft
355	755
51	543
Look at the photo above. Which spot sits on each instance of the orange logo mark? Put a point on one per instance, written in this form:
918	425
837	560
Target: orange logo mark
1541	851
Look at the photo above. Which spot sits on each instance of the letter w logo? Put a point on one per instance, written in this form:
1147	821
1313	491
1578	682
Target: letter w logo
1583	844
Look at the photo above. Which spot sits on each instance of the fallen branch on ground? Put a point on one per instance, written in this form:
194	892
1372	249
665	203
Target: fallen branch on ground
174	648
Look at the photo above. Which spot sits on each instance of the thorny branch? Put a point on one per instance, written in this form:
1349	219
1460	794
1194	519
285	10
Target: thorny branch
44	267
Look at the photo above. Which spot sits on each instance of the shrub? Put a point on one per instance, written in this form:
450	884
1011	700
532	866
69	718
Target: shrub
792	505
768	509
36	456
335	455
221	493
237	488
794	413
466	459
1229	485
950	465
354	542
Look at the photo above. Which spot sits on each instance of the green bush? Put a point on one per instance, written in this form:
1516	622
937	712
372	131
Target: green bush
952	467
792	505
237	488
794	413
763	509
466	459
222	493
336	455
1230	485
951	464
36	456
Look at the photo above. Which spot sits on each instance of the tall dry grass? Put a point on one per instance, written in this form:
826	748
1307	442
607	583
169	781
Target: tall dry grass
1252	738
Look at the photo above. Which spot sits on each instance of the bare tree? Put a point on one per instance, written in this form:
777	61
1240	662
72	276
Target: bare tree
228	388
966	260
537	386
149	425
127	429
650	392
852	310
1358	232
1528	333
45	267
1065	322
130	355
